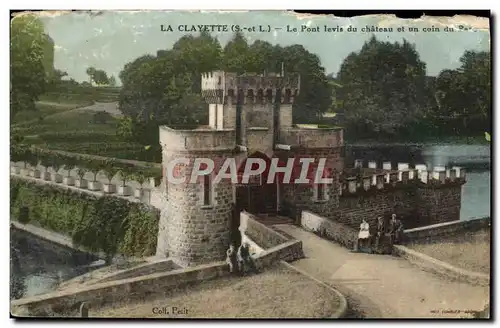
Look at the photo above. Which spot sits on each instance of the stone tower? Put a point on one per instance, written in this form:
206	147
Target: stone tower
255	106
245	116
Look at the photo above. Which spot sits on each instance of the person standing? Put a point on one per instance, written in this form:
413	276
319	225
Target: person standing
395	229
231	258
363	235
245	261
380	233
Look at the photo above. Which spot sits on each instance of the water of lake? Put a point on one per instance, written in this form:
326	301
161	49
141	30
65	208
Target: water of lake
38	266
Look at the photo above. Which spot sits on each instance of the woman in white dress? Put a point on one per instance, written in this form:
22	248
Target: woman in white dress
364	234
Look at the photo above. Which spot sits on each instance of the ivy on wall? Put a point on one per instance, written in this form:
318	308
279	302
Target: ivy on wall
99	224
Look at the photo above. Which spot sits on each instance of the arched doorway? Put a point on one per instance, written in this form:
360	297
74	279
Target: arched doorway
257	196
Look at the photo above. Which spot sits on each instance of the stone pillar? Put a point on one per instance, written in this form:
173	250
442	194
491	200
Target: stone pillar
405	176
366	183
351	185
452	174
460	171
439	175
421	167
380	181
423	176
393	177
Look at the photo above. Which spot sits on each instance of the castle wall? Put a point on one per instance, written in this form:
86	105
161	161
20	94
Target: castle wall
438	203
259	139
298	197
416	197
229	113
285	116
260	115
369	206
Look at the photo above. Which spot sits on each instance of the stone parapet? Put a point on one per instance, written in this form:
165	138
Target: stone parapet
196	139
448	271
375	178
261	234
435	231
329	229
221	87
312	137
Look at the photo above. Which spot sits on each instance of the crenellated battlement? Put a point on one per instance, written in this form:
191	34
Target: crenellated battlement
402	174
221	87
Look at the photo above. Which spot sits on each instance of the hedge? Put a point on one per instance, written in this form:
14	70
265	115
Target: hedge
99	224
78	136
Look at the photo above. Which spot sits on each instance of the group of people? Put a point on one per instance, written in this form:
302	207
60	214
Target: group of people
240	261
382	240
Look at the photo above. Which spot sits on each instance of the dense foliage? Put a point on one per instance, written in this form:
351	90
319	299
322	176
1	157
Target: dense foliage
463	96
100	77
29	48
100	224
384	92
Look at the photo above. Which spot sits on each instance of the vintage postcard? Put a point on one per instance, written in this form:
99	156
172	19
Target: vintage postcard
258	164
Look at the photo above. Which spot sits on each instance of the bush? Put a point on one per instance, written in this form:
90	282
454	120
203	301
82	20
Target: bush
77	136
102	117
99	224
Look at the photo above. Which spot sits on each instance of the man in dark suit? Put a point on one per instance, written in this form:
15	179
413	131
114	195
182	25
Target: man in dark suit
395	230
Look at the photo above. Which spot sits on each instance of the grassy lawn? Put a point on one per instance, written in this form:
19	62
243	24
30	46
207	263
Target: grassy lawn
470	251
76	131
275	293
45	109
68	94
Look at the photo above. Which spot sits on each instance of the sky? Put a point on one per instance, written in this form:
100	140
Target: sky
113	38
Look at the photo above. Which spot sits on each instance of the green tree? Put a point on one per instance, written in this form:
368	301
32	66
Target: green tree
464	96
315	96
112	81
27	71
97	75
90	72
236	54
166	89
100	77
261	57
384	91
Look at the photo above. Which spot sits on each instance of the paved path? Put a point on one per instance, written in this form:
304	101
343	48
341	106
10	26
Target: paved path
109	107
383	286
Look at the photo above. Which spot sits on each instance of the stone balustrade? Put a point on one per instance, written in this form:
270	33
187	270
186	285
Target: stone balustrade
101	183
403	173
